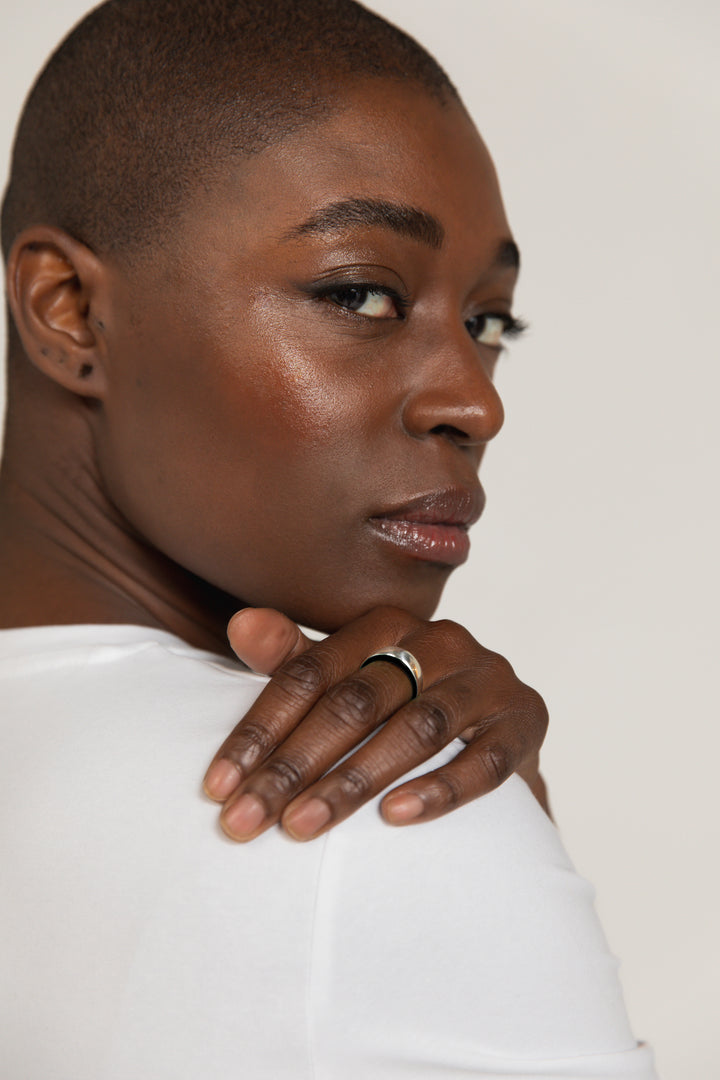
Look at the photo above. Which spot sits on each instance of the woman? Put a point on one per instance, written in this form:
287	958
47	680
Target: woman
257	304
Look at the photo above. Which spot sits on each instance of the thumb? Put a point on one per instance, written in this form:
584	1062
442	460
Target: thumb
264	638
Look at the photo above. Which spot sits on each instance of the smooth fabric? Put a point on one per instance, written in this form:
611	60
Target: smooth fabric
138	943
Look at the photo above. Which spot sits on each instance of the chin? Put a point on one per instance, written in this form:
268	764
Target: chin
327	618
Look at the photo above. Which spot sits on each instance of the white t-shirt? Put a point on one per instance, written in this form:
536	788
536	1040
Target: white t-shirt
138	943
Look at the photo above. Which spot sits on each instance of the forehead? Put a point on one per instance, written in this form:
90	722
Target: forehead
386	143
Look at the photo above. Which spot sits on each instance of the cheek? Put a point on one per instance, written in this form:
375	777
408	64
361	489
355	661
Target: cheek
238	467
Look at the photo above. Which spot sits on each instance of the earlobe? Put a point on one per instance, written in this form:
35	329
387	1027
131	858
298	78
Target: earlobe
54	286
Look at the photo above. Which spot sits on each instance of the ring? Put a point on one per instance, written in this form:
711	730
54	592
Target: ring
405	661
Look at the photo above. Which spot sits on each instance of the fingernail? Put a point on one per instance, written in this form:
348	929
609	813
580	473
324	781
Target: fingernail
308	819
221	779
400	809
242	818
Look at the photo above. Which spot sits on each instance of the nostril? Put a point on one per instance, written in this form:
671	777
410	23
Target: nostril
447	431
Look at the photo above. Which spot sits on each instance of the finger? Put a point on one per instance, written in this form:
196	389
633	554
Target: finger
503	740
481	767
344	717
526	711
413	735
497	745
293	691
354	708
297	688
264	638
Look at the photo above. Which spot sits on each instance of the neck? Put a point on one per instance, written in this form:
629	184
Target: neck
68	556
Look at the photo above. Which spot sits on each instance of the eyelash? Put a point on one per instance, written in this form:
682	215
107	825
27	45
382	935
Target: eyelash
511	327
332	293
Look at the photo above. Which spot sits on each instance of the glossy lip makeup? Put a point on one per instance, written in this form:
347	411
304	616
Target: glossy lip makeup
434	527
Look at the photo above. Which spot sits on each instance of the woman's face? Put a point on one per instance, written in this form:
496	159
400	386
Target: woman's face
301	381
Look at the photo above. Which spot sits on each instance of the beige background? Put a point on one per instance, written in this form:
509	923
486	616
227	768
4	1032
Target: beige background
595	568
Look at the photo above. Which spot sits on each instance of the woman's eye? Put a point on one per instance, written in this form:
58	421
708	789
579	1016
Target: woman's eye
489	329
364	300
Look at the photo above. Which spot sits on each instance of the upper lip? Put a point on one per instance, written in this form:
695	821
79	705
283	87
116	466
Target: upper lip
460	506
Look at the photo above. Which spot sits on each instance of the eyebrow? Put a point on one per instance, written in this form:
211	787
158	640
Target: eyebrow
398	217
402	219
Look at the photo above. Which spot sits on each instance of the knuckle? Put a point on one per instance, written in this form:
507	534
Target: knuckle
527	713
454	636
302	677
432	722
286	777
352	704
538	710
496	763
448	790
355	783
251	741
497	667
449	629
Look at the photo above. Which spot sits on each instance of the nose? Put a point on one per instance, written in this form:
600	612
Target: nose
455	397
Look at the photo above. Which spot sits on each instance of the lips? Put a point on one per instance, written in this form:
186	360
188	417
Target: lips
434	527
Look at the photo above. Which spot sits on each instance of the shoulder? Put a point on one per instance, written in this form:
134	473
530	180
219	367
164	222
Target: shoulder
112	716
127	677
474	932
465	941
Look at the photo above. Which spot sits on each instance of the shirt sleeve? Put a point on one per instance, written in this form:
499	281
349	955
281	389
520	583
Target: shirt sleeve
468	947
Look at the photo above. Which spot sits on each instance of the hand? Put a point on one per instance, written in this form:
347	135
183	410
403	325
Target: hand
320	704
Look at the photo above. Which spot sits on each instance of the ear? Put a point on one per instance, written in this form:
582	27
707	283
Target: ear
55	289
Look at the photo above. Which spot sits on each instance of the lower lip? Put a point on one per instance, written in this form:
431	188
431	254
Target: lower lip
448	545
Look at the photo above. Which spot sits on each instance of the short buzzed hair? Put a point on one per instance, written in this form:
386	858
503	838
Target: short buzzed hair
144	97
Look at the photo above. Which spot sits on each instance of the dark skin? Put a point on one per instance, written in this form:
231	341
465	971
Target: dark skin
233	419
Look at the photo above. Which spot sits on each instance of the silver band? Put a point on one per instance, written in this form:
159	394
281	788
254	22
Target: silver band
403	659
